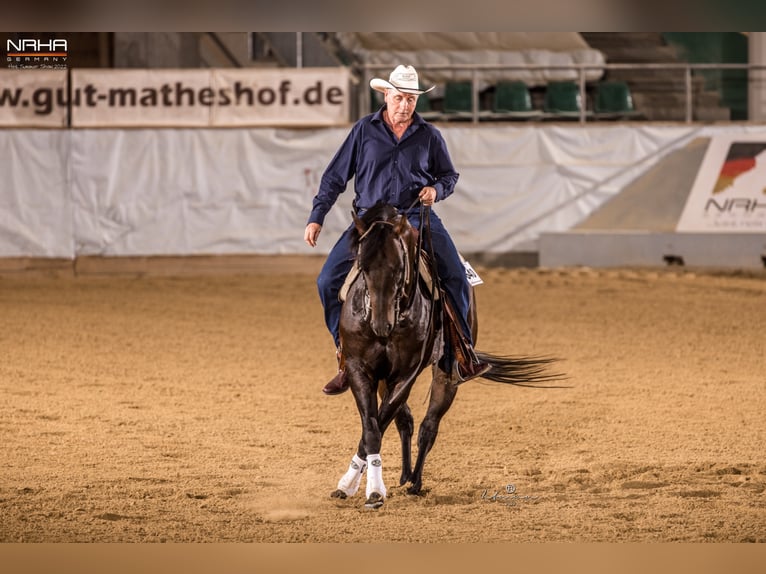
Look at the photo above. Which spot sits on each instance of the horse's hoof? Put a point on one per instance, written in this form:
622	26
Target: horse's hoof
338	494
374	501
414	490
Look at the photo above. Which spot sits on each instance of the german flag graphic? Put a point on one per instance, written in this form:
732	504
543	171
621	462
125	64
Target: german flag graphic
739	160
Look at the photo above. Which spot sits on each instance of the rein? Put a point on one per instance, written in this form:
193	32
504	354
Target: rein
425	228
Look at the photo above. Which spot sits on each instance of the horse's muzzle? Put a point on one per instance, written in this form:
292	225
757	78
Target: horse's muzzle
383	328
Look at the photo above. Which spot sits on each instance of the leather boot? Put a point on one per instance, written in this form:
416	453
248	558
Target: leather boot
466	364
339	383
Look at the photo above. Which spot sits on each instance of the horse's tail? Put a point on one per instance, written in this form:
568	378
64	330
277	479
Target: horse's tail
521	371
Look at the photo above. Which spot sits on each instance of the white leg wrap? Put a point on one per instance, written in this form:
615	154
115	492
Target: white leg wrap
375	475
349	482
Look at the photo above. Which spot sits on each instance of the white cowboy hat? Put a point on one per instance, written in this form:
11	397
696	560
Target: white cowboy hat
403	79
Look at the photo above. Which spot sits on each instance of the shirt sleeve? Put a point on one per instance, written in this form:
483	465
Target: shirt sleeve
336	176
442	168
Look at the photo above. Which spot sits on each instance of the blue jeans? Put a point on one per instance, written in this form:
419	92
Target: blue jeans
449	267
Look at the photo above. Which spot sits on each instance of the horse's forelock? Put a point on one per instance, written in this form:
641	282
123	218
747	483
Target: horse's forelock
375	235
379	212
373	241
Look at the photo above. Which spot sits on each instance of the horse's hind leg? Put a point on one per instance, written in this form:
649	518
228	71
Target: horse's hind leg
442	395
406	427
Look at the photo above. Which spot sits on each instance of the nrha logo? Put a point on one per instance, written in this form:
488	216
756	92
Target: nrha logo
31	47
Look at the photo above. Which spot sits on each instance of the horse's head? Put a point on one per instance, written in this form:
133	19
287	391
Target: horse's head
385	252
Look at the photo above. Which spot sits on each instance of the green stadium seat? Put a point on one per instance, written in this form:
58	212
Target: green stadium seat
512	100
613	100
458	100
562	100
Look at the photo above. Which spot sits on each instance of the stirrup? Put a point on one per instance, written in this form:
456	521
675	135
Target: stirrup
471	370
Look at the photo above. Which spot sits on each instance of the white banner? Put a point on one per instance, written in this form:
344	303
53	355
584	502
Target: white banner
33	98
113	192
199	191
35	197
210	98
729	193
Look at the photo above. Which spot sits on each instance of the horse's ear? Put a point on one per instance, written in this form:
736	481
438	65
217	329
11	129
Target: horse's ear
359	224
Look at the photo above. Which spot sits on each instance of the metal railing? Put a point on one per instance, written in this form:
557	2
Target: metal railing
478	71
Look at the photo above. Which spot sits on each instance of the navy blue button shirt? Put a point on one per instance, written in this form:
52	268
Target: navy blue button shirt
384	168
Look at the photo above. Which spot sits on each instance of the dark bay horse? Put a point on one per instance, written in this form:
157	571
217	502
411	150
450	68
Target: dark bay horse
391	329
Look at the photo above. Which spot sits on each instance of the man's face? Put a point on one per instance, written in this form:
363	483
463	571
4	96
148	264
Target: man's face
400	106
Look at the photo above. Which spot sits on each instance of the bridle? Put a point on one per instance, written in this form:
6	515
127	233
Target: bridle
404	288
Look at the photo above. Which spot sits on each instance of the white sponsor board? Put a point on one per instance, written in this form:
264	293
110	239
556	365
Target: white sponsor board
729	193
33	98
138	98
210	98
97	98
295	97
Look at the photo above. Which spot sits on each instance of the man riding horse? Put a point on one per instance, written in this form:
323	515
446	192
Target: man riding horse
396	157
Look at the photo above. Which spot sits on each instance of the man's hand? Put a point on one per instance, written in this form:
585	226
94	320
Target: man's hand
427	195
312	233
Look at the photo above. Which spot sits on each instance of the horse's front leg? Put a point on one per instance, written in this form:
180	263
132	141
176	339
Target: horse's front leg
398	411
349	483
365	395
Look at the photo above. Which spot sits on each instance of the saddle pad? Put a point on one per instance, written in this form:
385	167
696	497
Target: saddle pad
350	278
